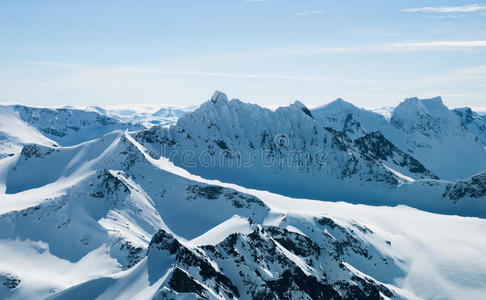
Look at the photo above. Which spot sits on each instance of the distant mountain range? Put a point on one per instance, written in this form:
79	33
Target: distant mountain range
231	200
337	152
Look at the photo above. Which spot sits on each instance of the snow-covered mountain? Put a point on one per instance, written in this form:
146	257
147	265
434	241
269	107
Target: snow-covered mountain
282	150
448	143
344	116
290	151
20	125
146	115
96	207
119	224
475	122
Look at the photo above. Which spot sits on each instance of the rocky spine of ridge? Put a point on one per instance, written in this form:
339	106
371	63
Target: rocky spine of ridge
473	187
290	138
268	263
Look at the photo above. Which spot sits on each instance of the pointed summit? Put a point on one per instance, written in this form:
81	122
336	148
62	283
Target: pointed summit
301	106
219	96
337	104
298	103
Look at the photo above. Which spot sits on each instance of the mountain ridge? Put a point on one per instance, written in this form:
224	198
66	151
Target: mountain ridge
115	217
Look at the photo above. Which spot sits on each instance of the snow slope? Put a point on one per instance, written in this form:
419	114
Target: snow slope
70	126
448	143
15	132
338	247
289	152
111	217
20	125
285	151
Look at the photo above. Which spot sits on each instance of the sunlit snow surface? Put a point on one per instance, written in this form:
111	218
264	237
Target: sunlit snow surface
59	238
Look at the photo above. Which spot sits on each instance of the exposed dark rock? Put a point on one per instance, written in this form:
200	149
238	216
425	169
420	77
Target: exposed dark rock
164	241
210	192
290	281
187	258
307	111
474	187
10	281
181	282
375	146
221	144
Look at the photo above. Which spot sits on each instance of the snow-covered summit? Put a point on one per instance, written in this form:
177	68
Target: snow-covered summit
337	104
428	104
219	96
113	218
299	107
287	151
424	128
344	116
428	116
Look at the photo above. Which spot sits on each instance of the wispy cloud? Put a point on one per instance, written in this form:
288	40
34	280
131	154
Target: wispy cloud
471	76
448	9
156	83
146	69
310	12
403	46
436	45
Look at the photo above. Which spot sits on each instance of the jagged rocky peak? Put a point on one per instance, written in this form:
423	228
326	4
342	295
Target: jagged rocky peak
292	265
299	106
219	96
465	113
192	270
163	240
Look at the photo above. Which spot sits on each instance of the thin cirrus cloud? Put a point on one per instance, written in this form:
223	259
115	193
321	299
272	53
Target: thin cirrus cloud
404	46
310	12
448	9
472	75
437	45
144	69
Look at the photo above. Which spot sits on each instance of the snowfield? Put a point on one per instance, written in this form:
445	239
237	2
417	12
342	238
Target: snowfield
91	208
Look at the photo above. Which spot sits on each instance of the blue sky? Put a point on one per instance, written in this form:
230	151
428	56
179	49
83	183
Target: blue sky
372	53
